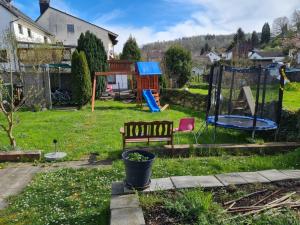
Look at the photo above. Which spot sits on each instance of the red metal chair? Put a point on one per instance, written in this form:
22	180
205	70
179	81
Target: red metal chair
186	125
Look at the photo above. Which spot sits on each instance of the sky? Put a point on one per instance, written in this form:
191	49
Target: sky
161	20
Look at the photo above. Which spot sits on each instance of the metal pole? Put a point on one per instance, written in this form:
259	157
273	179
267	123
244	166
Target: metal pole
257	100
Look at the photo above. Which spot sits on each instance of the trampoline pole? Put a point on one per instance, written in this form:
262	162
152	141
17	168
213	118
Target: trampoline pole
264	93
231	92
257	101
280	98
218	99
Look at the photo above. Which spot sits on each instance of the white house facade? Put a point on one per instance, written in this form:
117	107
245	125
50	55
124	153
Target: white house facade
213	57
22	27
274	57
67	28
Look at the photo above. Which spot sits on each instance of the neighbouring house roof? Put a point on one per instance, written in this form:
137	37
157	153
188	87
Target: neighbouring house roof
113	36
19	14
270	54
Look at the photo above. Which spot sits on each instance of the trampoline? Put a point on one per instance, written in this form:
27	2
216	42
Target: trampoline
245	99
242	122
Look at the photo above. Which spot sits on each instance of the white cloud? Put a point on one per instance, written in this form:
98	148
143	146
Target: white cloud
108	17
214	17
65	7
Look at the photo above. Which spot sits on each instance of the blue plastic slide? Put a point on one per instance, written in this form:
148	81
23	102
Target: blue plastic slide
150	101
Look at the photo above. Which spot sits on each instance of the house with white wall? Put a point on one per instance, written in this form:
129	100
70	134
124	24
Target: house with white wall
272	56
213	56
67	29
25	30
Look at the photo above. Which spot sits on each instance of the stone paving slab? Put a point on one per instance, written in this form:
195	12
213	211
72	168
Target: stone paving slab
117	188
196	181
274	175
231	179
161	184
3	203
124	201
127	216
253	177
293	174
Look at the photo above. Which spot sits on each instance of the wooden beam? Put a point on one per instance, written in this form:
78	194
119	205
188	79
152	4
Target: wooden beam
94	94
114	73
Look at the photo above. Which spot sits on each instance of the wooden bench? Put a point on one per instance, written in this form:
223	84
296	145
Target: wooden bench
155	131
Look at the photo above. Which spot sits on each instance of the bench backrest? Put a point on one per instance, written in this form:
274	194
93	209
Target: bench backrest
155	129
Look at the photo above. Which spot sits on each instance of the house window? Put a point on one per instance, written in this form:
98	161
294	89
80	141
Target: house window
111	80
20	27
29	33
70	28
45	40
3	56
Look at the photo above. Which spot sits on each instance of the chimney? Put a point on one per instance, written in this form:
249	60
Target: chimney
44	5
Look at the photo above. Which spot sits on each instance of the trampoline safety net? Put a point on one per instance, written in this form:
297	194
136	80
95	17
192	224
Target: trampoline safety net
244	98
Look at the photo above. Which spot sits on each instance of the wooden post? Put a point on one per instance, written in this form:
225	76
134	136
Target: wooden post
94	93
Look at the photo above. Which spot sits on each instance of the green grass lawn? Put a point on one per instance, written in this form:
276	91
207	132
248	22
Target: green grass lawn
72	197
81	132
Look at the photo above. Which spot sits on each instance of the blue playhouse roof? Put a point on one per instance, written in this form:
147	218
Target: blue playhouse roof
148	68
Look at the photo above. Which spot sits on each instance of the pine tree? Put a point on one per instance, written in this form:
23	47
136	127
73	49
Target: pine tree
265	34
240	36
96	57
254	39
131	50
82	79
178	64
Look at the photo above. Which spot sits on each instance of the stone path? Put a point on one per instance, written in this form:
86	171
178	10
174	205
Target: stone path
16	177
125	207
14	180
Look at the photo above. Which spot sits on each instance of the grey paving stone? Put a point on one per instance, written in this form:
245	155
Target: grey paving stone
293	174
274	175
253	177
127	216
3	203
124	201
231	179
117	188
196	181
128	191
161	184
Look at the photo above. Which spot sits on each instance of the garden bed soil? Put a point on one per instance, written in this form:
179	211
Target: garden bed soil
159	215
20	156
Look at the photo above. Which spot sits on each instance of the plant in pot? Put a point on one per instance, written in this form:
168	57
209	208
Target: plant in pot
138	167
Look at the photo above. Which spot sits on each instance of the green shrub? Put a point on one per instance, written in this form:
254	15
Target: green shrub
82	82
178	64
96	57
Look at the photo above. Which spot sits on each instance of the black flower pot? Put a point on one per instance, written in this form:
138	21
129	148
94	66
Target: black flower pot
138	173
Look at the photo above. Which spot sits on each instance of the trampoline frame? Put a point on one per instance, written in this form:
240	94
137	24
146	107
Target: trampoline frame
270	125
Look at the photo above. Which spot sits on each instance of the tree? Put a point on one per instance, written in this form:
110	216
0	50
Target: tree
265	34
207	48
131	50
82	78
96	57
254	39
239	37
280	26
296	19
178	64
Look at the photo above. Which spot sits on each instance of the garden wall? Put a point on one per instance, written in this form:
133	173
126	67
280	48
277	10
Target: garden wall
184	98
290	126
